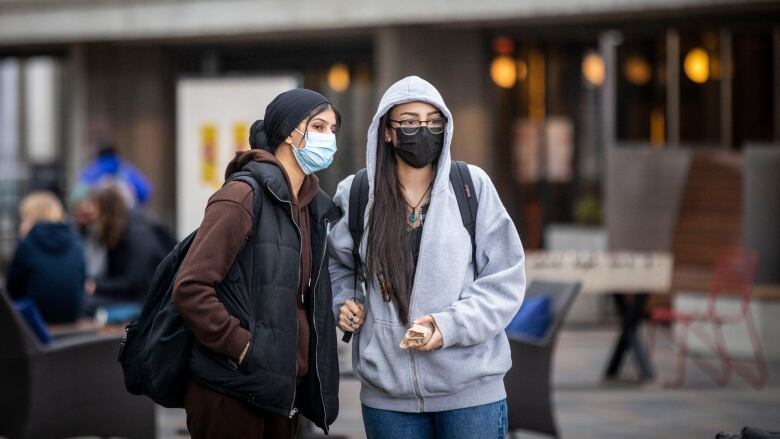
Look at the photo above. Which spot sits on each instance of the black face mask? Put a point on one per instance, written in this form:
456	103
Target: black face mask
420	149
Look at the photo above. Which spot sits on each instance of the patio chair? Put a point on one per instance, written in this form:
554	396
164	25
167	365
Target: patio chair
70	387
528	383
734	273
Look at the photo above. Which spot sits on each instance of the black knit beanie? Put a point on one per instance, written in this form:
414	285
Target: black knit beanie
282	116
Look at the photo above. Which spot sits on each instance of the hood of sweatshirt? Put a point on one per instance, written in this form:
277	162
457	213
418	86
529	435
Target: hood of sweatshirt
411	89
52	237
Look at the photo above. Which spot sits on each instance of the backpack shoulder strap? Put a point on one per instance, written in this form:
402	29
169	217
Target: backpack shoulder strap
257	203
460	177
358	199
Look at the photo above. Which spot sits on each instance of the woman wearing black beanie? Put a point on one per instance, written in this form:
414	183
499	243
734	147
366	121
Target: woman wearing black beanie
254	287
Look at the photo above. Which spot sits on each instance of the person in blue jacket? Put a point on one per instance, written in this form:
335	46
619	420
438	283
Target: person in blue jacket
109	166
48	266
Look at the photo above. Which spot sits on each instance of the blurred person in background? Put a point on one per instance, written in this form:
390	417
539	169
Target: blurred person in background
84	211
265	337
109	169
108	165
48	266
133	252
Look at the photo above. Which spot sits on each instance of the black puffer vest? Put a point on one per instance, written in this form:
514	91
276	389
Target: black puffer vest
260	290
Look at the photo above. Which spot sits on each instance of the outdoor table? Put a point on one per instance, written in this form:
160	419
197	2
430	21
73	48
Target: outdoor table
620	274
81	326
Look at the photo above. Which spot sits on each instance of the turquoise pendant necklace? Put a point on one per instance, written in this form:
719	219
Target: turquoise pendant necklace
413	217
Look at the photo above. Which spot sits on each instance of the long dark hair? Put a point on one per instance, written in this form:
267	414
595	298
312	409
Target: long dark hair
388	254
112	217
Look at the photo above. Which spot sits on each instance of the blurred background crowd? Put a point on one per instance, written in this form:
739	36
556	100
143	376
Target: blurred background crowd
102	256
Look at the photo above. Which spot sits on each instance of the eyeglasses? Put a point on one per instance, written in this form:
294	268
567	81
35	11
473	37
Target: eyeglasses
411	127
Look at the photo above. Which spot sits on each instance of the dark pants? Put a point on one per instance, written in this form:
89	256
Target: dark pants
213	415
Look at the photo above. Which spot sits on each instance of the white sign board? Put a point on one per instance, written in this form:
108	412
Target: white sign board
213	117
603	272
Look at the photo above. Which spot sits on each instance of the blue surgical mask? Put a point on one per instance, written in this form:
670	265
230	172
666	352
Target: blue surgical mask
318	152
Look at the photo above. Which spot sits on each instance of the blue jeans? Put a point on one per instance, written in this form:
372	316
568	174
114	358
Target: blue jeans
487	421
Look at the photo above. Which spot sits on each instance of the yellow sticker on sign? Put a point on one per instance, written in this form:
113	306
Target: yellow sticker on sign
240	136
208	154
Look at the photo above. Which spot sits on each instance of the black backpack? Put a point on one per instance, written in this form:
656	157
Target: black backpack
155	348
460	177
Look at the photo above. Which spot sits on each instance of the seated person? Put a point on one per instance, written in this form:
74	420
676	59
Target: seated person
48	266
83	210
132	253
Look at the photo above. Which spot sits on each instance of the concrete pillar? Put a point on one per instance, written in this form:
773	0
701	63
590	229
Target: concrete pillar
10	171
776	79
454	62
761	207
608	42
41	111
673	88
75	154
10	80
726	90
41	106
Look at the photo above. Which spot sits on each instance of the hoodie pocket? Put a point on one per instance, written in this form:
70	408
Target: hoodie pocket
383	364
448	371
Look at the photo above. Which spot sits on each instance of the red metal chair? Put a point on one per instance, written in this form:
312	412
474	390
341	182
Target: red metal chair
734	273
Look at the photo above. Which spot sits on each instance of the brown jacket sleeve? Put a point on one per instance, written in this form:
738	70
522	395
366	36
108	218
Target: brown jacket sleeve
226	224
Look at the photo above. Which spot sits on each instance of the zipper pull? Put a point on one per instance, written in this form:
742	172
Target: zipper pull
293	412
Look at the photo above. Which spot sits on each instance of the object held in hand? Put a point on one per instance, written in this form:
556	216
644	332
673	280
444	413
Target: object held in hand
417	336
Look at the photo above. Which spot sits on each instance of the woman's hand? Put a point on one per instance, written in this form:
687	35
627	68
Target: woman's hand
436	340
351	316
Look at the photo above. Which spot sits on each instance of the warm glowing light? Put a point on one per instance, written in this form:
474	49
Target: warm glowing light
637	70
338	78
503	71
522	70
593	68
697	65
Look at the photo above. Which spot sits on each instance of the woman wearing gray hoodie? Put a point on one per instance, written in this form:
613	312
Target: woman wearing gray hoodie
417	257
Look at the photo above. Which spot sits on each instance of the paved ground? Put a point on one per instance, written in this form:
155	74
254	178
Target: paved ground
590	408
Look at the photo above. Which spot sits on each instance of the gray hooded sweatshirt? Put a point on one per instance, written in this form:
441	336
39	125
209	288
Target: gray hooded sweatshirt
471	314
